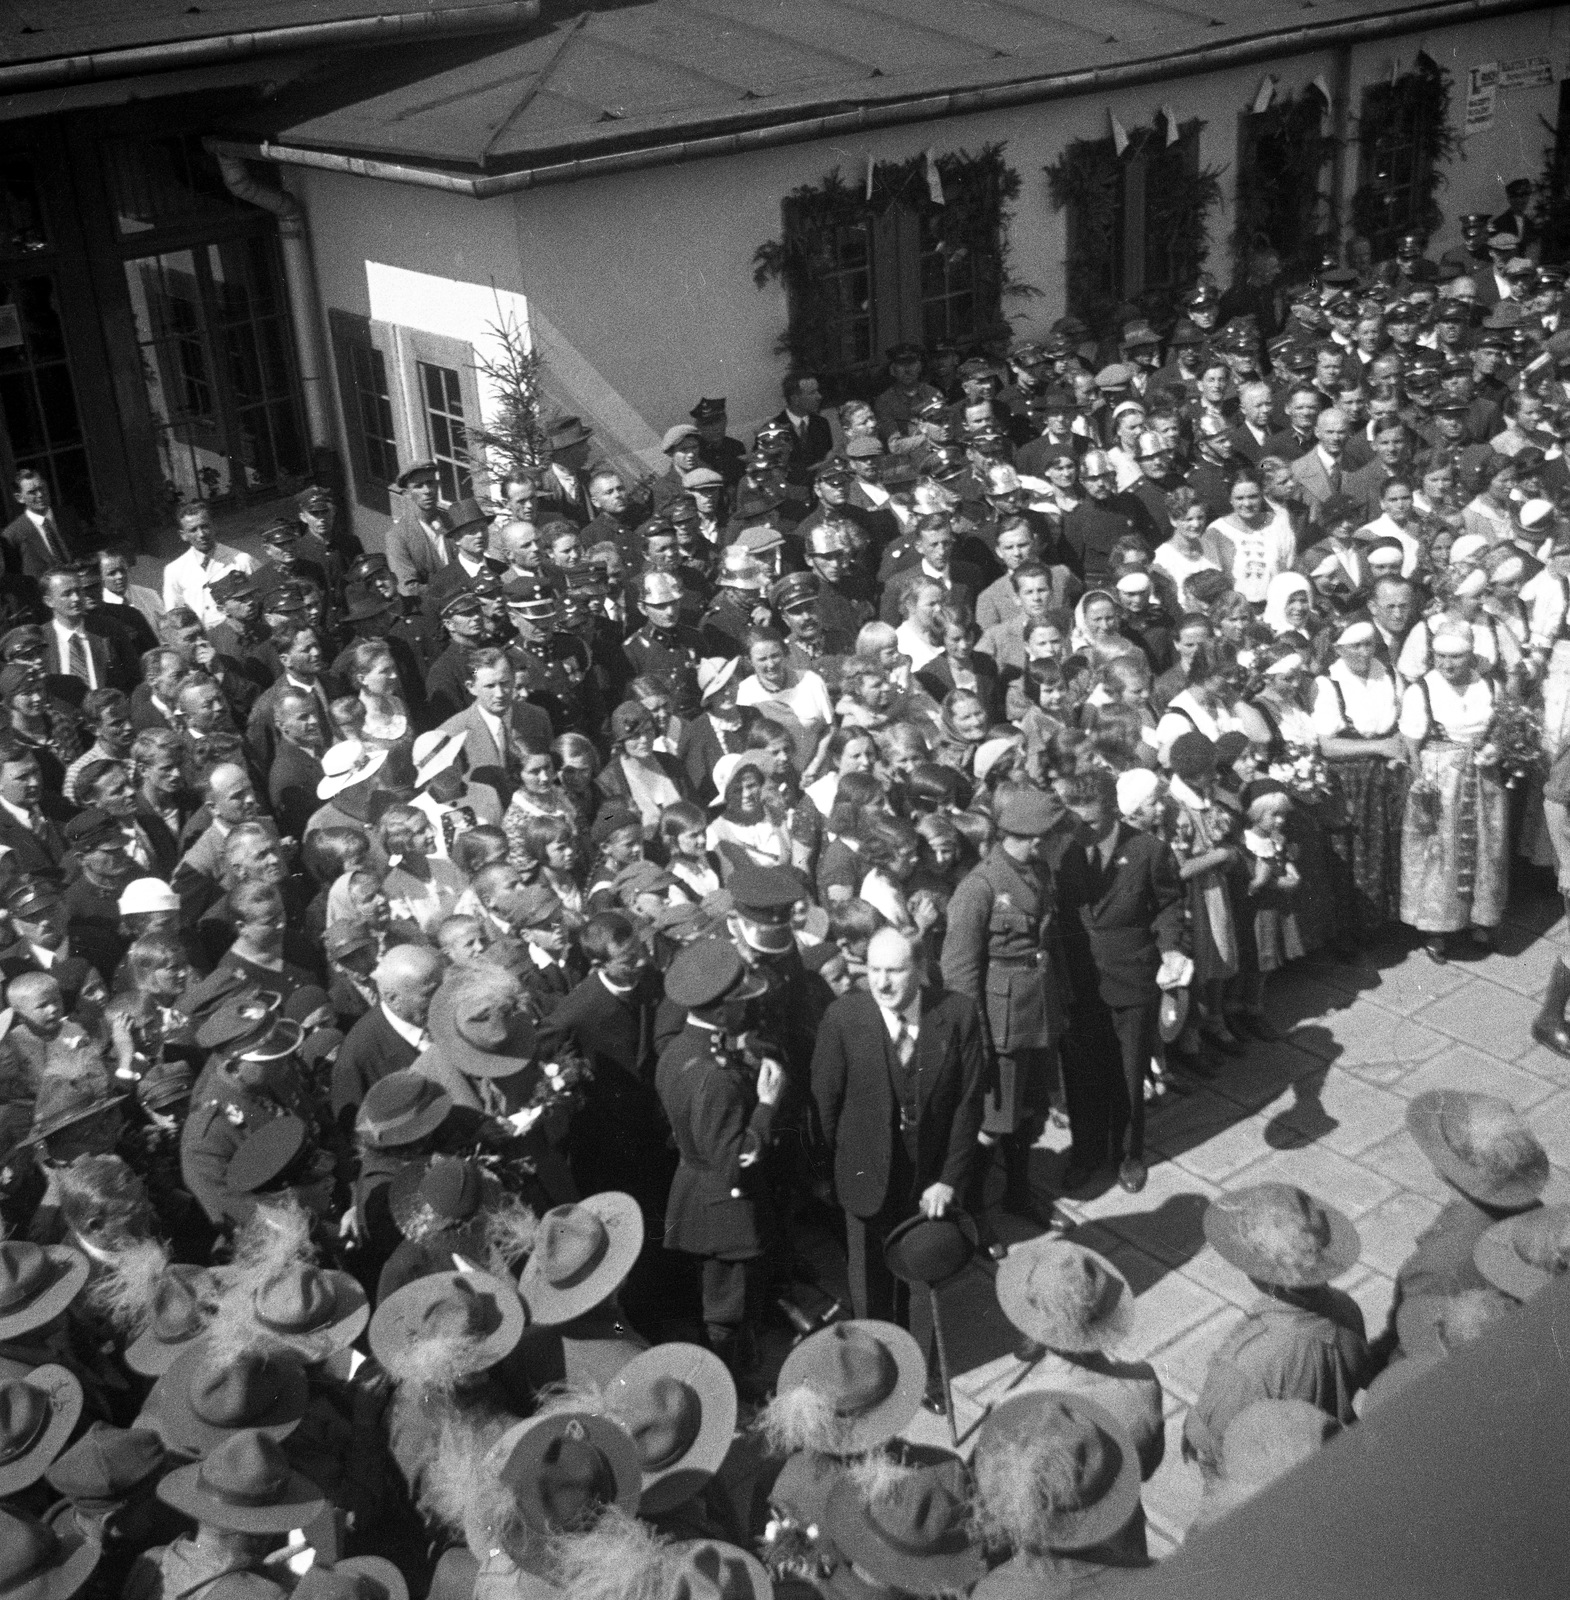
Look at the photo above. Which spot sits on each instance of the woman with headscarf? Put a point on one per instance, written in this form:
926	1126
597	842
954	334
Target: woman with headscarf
961	732
1455	846
1357	705
1253	542
743	829
1096	632
1289	613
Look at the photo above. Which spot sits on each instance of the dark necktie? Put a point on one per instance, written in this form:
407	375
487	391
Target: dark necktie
1335	478
76	658
52	539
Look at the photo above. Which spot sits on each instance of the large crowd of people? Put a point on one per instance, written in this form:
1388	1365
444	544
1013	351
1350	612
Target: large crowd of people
446	987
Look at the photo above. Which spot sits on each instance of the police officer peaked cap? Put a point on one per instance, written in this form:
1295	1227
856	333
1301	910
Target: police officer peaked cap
281	532
233	585
708	410
707	972
795	589
1025	812
466	603
765	894
530	594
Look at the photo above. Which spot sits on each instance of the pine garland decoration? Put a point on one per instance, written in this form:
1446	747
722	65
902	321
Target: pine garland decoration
1418	102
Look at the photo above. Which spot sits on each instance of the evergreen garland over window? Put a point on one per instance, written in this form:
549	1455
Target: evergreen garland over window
1406	135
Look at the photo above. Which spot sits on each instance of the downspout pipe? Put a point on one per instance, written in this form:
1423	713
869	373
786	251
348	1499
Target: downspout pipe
813	124
304	306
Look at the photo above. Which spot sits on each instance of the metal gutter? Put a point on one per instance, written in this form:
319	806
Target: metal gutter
489	16
759	135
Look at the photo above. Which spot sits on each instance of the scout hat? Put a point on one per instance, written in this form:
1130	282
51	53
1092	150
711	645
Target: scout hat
710	1569
915	1535
353	1578
469	1039
931	1250
1479	1143
401	1109
1263	1442
444	1195
37	1283
871	1375
64	1101
1065	1296
1524	1253
1280	1235
245	1485
563	1469
106	1466
37	1414
677	1403
467	1321
312	1311
43	1561
204	1398
183	1303
581	1256
1074	1445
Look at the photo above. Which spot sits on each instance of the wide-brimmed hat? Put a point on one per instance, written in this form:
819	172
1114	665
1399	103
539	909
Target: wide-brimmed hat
204	1398
401	1109
345	764
1479	1143
314	1311
37	1414
451	1026
1526	1252
477	1319
563	1469
245	1485
1280	1235
580	1257
678	1404
353	1578
37	1283
1065	1296
43	1561
106	1466
64	1101
1102	1491
931	1250
872	1374
1263	1442
915	1535
433	753
710	1569
447	1193
184	1300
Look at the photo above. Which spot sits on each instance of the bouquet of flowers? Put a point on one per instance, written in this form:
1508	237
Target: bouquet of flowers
558	1092
790	1549
1515	736
1304	775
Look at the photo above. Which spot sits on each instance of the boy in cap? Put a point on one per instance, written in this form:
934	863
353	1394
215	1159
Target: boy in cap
720	1117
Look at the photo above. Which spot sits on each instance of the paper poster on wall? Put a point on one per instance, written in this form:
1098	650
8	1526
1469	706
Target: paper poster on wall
1482	85
1530	72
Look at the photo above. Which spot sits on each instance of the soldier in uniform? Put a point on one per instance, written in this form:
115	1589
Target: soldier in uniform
738	606
251	1080
721	1110
324	538
285	563
663	647
844	594
1001	951
243	638
795	597
446	684
717	451
898	404
542	677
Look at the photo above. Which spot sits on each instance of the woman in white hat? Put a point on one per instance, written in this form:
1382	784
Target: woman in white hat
1455	846
1356	707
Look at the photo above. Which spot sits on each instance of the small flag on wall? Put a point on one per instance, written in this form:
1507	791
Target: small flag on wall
1265	94
1395	69
1323	87
872	167
934	180
1169	116
1119	136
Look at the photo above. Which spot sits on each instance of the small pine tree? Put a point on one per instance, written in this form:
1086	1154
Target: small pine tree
518	442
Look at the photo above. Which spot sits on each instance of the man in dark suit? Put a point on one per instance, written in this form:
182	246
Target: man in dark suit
41	537
1297	438
37	848
391	1035
1131	906
297	762
1516	218
898	1075
811	438
304	661
79	661
467	537
1320	475
935	550
564	491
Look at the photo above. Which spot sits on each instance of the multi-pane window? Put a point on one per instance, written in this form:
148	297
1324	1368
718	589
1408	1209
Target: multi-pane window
373	408
445	429
953	281
1401	140
37	394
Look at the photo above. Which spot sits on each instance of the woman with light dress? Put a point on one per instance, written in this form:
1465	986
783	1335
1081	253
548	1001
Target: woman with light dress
1209	703
1253	541
743	830
1455	844
420	887
374	675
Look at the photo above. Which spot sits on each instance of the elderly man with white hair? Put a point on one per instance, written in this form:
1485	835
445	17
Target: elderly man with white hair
391	1035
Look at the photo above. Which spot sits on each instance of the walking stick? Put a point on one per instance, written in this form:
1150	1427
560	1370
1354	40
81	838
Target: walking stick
943	1363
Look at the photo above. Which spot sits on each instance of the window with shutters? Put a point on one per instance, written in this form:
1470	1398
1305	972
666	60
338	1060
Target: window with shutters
442	393
367	393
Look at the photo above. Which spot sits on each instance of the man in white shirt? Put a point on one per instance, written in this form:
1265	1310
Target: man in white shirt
187	579
73	652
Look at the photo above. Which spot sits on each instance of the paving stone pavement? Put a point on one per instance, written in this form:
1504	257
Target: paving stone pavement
1325	1109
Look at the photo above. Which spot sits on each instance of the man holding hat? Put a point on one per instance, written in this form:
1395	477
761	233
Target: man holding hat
1001	953
417	546
720	1117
